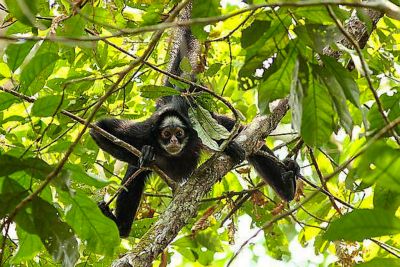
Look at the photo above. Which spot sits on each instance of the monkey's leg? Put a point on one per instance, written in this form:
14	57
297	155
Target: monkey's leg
128	200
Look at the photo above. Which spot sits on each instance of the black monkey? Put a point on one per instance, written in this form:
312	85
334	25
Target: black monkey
168	140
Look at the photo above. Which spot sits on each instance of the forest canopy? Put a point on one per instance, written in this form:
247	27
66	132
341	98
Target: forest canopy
318	81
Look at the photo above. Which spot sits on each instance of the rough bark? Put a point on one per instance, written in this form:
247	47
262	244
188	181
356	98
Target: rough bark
358	30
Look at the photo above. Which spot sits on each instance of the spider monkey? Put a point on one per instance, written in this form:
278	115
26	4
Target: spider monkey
168	140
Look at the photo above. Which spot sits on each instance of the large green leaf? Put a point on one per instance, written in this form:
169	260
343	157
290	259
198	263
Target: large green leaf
344	79
255	31
207	127
99	232
380	162
274	38
317	120
11	194
47	106
391	106
385	198
29	245
361	224
6	100
34	166
78	174
24	10
338	97
278	84
36	72
56	235
16	53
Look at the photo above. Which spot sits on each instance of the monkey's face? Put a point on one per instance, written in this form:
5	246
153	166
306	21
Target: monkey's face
172	135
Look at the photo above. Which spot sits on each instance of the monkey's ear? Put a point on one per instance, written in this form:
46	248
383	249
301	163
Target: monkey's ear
121	129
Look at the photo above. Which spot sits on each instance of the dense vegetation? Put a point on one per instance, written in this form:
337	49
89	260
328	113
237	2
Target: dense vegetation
67	63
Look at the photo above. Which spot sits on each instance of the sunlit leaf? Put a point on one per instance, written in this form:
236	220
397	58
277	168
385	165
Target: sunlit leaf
363	223
83	215
36	72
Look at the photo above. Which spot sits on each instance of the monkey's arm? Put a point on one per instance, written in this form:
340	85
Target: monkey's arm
135	134
281	176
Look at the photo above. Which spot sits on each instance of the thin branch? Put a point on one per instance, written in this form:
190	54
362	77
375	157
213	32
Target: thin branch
383	6
323	182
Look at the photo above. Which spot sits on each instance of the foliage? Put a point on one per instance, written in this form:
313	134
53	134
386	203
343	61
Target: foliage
65	55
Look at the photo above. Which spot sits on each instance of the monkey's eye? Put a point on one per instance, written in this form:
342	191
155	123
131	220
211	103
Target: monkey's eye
165	134
180	133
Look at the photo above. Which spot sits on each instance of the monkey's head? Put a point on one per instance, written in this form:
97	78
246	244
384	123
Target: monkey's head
172	134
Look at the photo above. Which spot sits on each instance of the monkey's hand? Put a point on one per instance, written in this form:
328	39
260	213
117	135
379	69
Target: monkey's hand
292	171
148	156
105	209
236	152
291	165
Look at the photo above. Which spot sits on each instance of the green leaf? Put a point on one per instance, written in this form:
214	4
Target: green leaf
185	66
317	36
73	27
104	17
16	53
210	239
379	262
338	97
203	135
6	100
344	78
391	106
363	223
385	198
36	72
34	166
275	38
254	32
5	71
296	97
47	106
77	174
56	235
213	69
156	91
207	127
11	194
29	245
317	120
99	232
204	9
380	162
278	84
24	10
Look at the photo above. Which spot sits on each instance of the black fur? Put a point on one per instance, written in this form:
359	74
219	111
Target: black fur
143	136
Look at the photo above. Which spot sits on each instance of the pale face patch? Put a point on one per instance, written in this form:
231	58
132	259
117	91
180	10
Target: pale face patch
172	135
171	121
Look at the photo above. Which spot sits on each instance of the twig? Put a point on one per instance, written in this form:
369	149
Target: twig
386	7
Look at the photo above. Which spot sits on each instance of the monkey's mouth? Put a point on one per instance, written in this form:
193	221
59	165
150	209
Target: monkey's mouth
174	149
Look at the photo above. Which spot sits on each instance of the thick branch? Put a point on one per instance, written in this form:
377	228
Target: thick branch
184	205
